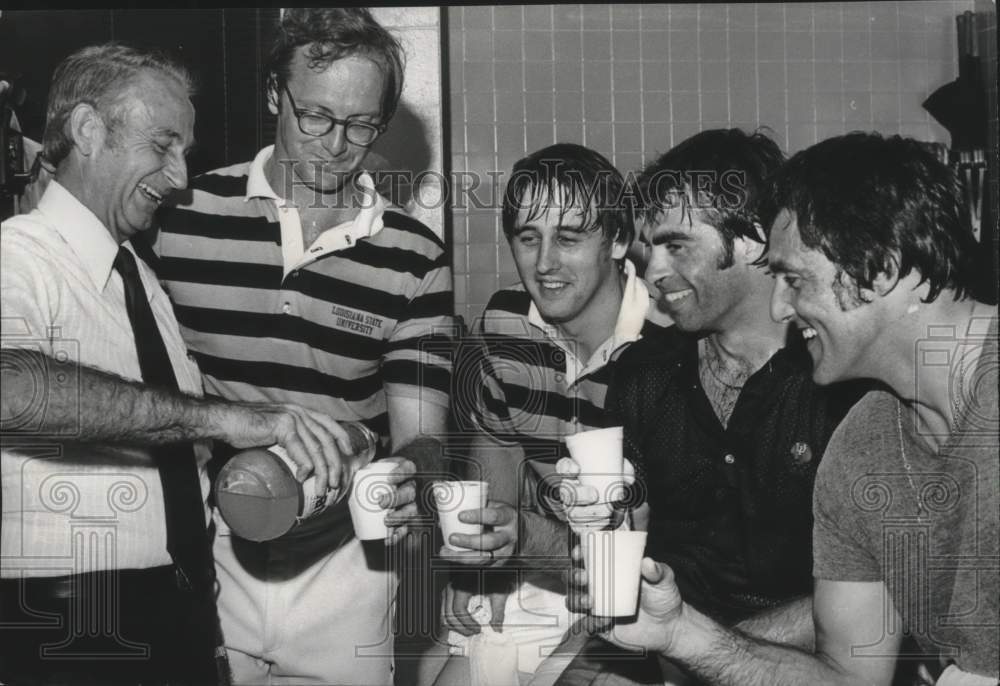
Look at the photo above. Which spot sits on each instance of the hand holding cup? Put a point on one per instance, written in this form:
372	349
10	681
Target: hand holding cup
368	492
598	453
455	497
582	507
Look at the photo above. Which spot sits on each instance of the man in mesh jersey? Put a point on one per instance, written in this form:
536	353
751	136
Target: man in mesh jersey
721	419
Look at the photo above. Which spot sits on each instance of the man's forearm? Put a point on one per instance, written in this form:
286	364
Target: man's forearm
544	543
724	657
426	453
789	624
85	404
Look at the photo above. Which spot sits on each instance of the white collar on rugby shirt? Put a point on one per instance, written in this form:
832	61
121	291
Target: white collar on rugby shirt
294	255
628	327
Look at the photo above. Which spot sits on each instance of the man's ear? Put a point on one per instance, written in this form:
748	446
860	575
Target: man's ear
272	95
86	128
749	250
885	280
618	250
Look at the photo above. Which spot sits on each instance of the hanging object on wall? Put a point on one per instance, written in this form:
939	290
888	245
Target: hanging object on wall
13	171
960	107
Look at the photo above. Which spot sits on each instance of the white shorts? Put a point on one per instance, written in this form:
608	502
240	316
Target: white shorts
535	618
286	621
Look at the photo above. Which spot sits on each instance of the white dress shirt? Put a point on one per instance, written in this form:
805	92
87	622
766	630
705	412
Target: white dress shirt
70	507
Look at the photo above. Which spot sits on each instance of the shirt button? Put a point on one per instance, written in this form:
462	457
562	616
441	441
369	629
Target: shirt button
286	308
730	458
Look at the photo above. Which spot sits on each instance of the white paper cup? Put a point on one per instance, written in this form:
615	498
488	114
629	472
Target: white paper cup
612	560
599	454
367	515
453	497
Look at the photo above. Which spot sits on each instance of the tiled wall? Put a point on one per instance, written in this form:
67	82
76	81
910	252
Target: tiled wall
632	80
413	142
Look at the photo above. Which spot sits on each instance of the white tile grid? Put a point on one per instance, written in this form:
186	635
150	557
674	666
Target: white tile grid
697	52
611	95
756	68
642	92
472	309
552	29
583	66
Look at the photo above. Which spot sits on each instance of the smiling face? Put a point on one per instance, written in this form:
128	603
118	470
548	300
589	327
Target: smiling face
569	270
811	292
349	88
683	258
138	163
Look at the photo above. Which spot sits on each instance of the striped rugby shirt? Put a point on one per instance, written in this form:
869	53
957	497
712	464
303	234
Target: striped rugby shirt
362	314
529	386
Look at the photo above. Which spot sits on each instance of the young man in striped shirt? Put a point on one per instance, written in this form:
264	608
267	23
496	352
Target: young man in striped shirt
547	350
293	280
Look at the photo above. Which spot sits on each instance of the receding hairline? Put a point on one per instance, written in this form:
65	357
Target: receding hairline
130	96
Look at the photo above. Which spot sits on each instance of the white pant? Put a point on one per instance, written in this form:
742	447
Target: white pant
322	622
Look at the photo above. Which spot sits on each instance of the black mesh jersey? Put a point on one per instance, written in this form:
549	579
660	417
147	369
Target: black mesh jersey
731	508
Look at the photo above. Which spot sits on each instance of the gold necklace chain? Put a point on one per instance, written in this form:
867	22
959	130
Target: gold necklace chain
959	402
718	357
906	462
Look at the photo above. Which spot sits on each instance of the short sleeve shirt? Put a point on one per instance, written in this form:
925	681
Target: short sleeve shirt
927	525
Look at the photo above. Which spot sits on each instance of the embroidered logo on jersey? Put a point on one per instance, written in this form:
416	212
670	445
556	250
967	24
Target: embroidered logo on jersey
357	321
801	453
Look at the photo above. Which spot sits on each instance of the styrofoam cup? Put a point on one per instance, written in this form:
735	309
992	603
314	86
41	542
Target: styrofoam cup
367	515
453	497
599	455
612	560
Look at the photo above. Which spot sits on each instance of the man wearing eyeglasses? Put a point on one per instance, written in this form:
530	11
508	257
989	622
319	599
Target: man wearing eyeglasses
294	280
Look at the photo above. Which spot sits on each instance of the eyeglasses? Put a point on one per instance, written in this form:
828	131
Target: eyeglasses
313	123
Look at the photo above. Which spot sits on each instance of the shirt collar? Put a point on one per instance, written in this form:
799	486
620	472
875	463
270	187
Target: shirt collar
257	185
85	234
295	255
628	326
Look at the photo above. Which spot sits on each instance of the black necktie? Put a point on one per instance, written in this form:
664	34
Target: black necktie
187	541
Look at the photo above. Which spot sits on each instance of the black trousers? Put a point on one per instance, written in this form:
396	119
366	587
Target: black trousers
110	628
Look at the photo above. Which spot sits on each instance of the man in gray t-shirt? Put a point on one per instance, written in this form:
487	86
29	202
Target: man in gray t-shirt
874	263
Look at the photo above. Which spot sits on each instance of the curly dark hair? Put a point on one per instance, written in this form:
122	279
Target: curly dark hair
721	174
874	205
332	34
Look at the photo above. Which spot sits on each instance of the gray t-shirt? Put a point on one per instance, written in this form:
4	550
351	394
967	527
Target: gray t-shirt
926	525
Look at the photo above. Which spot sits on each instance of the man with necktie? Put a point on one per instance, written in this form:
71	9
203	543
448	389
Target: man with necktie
106	574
